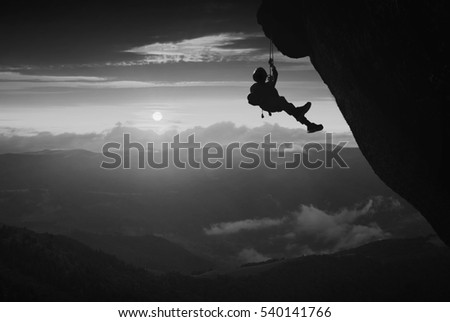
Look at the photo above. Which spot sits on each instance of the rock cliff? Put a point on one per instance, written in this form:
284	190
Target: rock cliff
386	64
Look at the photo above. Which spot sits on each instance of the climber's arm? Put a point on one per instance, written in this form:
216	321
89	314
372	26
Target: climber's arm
274	77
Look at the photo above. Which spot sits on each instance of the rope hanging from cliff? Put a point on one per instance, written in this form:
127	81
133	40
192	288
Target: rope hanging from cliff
270	55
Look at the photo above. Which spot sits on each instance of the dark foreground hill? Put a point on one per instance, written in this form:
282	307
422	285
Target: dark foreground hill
44	267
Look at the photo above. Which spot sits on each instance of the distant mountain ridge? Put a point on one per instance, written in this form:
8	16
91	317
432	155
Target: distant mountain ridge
149	252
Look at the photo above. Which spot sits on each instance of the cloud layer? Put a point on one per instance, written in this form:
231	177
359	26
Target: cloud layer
14	81
307	230
14	140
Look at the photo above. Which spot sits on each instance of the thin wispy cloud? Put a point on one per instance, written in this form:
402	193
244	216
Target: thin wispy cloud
212	48
237	226
14	86
224	47
19	77
12	81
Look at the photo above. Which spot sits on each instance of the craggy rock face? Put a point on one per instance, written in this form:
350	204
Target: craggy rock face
387	64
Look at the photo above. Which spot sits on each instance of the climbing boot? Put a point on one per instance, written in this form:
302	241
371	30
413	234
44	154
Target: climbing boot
313	127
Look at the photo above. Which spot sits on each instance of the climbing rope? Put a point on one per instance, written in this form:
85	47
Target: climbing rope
270	55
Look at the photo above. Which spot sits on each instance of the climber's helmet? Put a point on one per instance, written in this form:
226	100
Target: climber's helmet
260	75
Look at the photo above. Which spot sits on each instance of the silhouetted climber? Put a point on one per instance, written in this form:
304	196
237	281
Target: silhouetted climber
264	94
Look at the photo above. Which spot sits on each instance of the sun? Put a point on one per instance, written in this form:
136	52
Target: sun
157	116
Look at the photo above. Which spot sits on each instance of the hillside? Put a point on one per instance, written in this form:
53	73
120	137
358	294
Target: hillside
45	267
149	252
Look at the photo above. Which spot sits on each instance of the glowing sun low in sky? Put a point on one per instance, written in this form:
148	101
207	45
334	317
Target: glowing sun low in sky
157	116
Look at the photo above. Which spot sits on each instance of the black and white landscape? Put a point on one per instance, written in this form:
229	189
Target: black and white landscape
78	79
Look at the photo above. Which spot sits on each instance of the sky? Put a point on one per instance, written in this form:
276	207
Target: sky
84	67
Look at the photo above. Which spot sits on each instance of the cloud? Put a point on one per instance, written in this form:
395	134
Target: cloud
19	81
226	132
23	85
223	47
119	28
16	76
16	143
14	81
309	230
338	230
237	226
118	84
250	255
211	48
16	140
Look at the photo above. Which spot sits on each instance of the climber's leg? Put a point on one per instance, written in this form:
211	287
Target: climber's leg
299	114
291	109
295	112
286	106
305	108
302	119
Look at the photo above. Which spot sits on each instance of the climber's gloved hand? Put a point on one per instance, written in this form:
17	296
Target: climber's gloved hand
271	62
